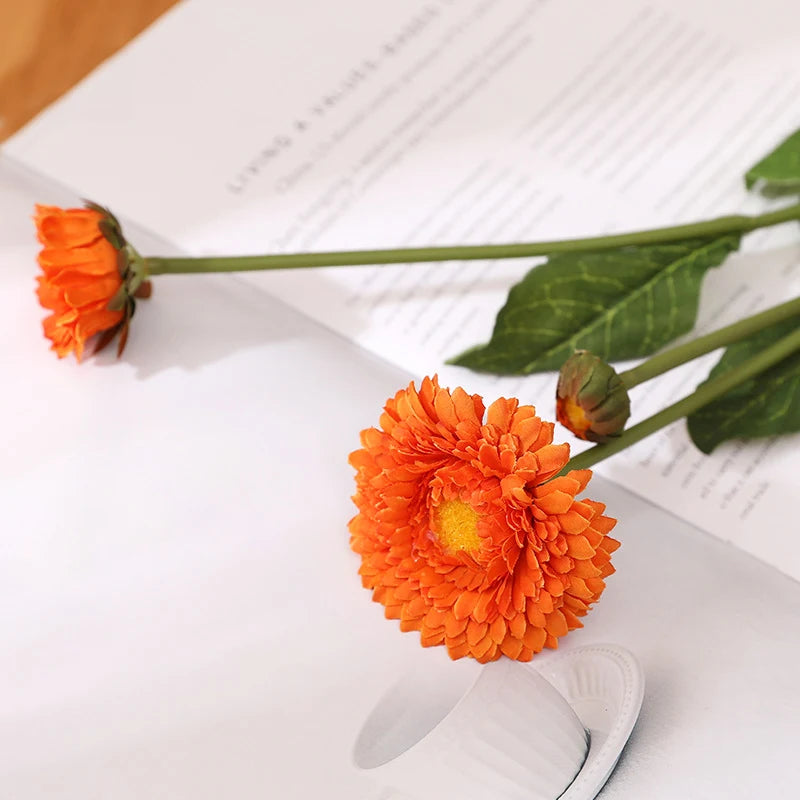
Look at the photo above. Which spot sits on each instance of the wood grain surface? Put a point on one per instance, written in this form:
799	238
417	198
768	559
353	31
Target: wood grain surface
46	46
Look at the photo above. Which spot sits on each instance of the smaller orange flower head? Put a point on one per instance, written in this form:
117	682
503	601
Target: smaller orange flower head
464	533
80	277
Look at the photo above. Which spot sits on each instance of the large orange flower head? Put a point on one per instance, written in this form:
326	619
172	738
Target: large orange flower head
464	532
89	277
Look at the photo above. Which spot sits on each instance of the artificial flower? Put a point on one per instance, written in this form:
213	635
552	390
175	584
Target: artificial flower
88	281
464	531
591	400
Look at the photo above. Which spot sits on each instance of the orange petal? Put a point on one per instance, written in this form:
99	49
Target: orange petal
534	638
497	630
572	522
499	413
552	458
430	638
527	427
579	547
465	604
511	647
535	616
99	258
454	626
93	291
483	647
72	227
445	408
517	626
481	611
571	618
557	624
583	476
555	502
459	650
585	568
578	588
49	296
476	631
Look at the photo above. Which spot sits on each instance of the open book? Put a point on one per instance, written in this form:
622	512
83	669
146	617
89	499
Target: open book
358	125
441	122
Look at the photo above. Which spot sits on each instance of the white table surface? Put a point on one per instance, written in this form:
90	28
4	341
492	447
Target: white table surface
181	615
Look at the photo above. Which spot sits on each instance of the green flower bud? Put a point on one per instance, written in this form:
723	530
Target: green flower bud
591	400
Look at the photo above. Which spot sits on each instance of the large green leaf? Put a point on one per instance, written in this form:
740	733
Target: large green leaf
766	405
619	304
780	170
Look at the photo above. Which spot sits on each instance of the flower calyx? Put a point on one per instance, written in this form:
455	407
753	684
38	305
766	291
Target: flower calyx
133	274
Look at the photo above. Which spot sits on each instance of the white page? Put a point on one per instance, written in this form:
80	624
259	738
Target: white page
182	616
365	125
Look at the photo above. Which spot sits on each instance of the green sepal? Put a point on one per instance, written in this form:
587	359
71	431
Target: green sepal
112	234
109	225
102	210
119	300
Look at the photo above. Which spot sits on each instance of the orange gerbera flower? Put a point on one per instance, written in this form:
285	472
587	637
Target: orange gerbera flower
87	282
462	533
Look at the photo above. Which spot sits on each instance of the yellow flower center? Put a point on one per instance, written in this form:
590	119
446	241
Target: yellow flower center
457	526
578	421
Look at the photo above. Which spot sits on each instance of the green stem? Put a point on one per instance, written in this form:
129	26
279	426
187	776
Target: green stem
735	224
702	396
676	356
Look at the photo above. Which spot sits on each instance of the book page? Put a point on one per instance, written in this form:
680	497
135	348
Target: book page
437	122
182	616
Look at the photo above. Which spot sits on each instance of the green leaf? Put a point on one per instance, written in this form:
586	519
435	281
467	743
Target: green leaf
618	304
766	405
780	170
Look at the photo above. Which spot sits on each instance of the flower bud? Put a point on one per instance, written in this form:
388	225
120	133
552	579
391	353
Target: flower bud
591	400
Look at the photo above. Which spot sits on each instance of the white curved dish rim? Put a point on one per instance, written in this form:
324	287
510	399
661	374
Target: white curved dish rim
604	684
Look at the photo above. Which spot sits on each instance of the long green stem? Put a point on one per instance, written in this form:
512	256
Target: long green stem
702	396
676	356
737	224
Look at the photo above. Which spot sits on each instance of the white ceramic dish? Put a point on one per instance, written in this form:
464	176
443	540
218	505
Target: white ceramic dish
507	734
516	732
604	684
